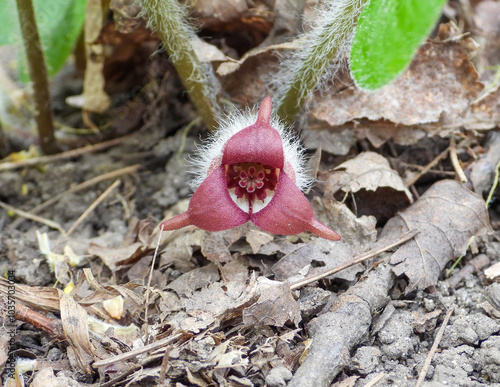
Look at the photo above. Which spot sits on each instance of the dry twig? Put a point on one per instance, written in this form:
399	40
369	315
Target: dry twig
434	347
92	207
375	380
61	156
360	258
52	327
427	168
79	187
473	266
147	348
148	286
454	161
33	217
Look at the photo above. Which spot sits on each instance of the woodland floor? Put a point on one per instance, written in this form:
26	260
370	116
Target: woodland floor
229	308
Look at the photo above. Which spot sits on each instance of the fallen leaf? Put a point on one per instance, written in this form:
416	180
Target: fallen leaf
207	52
370	171
195	280
125	15
95	98
75	326
338	143
215	245
493	272
447	216
438	87
113	256
275	306
257	238
205	300
369	186
313	258
424	323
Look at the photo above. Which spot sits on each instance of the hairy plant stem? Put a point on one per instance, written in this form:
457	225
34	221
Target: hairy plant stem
324	44
169	19
38	74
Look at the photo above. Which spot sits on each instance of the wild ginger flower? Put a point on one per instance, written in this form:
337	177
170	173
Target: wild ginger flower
251	172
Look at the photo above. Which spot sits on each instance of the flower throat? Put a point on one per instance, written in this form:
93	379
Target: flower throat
252	181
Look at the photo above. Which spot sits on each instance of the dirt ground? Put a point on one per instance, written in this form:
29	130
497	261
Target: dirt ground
409	296
393	340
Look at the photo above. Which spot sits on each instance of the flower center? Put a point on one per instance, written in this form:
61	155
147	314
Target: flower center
252	181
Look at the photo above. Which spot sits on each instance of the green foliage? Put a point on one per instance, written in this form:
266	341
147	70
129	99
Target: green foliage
59	25
388	34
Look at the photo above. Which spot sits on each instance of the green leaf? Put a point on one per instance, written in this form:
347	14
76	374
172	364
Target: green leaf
59	24
9	23
388	34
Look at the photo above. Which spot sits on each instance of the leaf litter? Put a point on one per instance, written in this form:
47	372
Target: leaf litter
224	308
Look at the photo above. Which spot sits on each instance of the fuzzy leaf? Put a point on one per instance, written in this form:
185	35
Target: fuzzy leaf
59	25
388	34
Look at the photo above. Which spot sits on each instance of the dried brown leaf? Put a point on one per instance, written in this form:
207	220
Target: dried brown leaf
358	233
204	301
41	298
103	293
194	280
215	245
257	238
312	258
95	98
275	306
438	87
493	272
178	248
370	171
75	326
113	256
207	52
338	143
45	377
447	216
369	186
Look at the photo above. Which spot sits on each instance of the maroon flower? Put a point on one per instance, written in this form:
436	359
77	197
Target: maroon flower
251	172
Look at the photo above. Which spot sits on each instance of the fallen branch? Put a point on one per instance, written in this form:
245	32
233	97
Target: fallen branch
335	333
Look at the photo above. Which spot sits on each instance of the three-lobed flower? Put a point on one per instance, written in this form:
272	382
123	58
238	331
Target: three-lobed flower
251	172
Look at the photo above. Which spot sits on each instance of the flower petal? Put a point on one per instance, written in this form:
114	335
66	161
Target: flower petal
257	143
211	208
290	213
